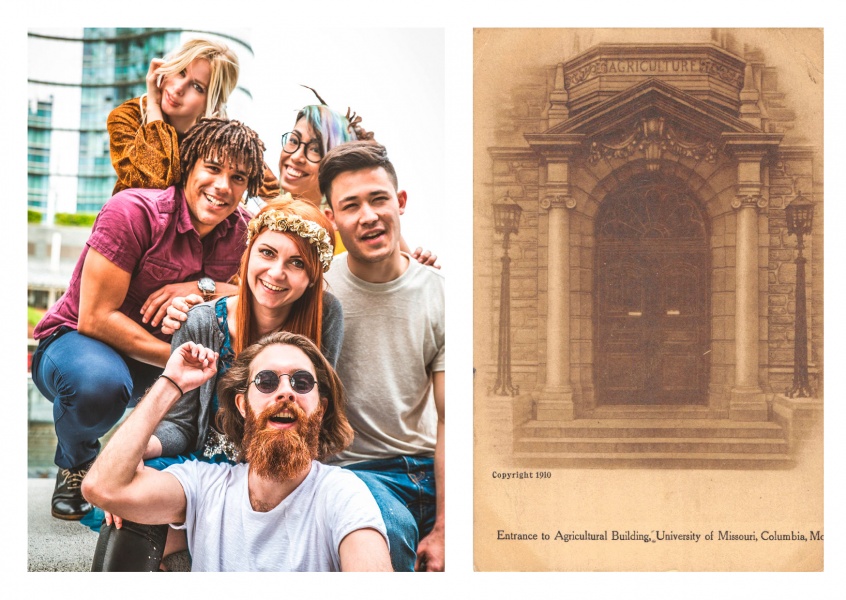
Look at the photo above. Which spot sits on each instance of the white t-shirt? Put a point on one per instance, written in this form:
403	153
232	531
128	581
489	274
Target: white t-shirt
394	339
302	533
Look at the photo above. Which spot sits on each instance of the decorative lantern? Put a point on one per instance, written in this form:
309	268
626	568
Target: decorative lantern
506	221
800	216
506	216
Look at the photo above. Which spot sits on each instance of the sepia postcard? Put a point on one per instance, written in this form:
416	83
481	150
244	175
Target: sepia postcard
648	299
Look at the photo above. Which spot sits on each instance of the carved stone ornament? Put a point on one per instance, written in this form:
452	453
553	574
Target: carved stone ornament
557	201
653	137
749	201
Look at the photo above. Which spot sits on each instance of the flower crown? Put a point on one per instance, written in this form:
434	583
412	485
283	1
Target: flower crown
276	220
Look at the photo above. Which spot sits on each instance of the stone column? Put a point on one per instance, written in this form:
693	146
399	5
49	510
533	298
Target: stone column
555	400
747	402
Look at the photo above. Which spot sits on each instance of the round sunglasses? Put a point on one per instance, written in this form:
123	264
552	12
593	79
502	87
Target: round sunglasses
267	382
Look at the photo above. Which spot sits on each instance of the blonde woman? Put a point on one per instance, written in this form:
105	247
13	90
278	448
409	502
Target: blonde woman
193	82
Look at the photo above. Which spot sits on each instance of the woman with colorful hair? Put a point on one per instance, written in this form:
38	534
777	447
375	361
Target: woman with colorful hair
317	130
281	289
192	82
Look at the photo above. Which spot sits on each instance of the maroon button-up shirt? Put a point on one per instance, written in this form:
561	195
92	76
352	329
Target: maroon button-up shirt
149	234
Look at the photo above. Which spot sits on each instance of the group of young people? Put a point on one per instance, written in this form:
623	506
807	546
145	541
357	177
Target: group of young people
288	398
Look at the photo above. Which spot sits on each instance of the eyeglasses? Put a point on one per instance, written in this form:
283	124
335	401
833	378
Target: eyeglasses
291	142
268	382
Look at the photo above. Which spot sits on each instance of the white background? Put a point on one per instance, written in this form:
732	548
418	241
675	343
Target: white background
450	234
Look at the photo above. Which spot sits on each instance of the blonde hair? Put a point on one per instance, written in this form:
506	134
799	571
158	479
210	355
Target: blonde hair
224	73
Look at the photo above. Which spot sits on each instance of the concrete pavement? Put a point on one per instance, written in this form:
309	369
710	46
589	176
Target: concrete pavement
55	545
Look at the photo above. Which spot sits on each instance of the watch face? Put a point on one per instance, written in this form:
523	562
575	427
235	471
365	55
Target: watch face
206	284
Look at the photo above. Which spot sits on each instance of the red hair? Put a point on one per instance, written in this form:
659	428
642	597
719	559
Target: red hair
306	314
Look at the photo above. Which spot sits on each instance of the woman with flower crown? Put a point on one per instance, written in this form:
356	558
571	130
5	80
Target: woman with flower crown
281	289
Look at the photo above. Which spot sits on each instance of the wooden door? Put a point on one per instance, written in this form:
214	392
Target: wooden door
652	290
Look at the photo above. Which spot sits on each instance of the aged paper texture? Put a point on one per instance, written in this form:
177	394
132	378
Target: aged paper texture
648	328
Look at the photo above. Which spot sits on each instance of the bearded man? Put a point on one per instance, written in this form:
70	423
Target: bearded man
279	509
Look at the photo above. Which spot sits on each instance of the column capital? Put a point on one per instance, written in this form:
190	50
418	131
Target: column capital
557	200
749	201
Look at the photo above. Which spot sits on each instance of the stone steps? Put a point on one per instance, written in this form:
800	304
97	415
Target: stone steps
603	428
670	443
701	460
621	444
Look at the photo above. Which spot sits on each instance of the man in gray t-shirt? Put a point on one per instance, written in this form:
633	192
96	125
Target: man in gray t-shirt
282	406
392	359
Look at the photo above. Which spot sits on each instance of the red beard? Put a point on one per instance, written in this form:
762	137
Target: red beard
281	454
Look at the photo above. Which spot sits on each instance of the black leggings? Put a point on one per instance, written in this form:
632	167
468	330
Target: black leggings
133	547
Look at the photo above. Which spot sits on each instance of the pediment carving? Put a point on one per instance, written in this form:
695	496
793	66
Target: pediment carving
651	117
653	137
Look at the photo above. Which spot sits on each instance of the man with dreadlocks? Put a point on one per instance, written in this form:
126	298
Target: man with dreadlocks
98	351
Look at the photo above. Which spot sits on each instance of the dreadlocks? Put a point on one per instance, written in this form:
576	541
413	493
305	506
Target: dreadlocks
225	141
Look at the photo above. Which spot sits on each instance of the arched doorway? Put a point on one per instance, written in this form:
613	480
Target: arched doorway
652	290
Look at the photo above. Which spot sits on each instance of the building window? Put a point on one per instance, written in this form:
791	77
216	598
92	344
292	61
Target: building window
39	298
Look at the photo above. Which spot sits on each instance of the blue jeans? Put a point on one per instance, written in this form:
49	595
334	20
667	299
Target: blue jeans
90	385
404	489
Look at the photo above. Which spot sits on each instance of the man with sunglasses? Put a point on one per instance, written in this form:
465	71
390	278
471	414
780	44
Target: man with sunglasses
279	509
392	359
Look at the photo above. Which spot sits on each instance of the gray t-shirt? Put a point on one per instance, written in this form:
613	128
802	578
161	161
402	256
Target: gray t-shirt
393	341
303	533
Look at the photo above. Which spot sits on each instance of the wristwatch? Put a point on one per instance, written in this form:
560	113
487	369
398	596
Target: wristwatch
206	285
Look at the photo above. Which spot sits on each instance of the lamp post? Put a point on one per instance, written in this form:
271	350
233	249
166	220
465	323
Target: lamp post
506	219
800	215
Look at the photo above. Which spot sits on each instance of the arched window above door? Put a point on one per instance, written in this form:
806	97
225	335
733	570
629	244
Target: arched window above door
651	207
